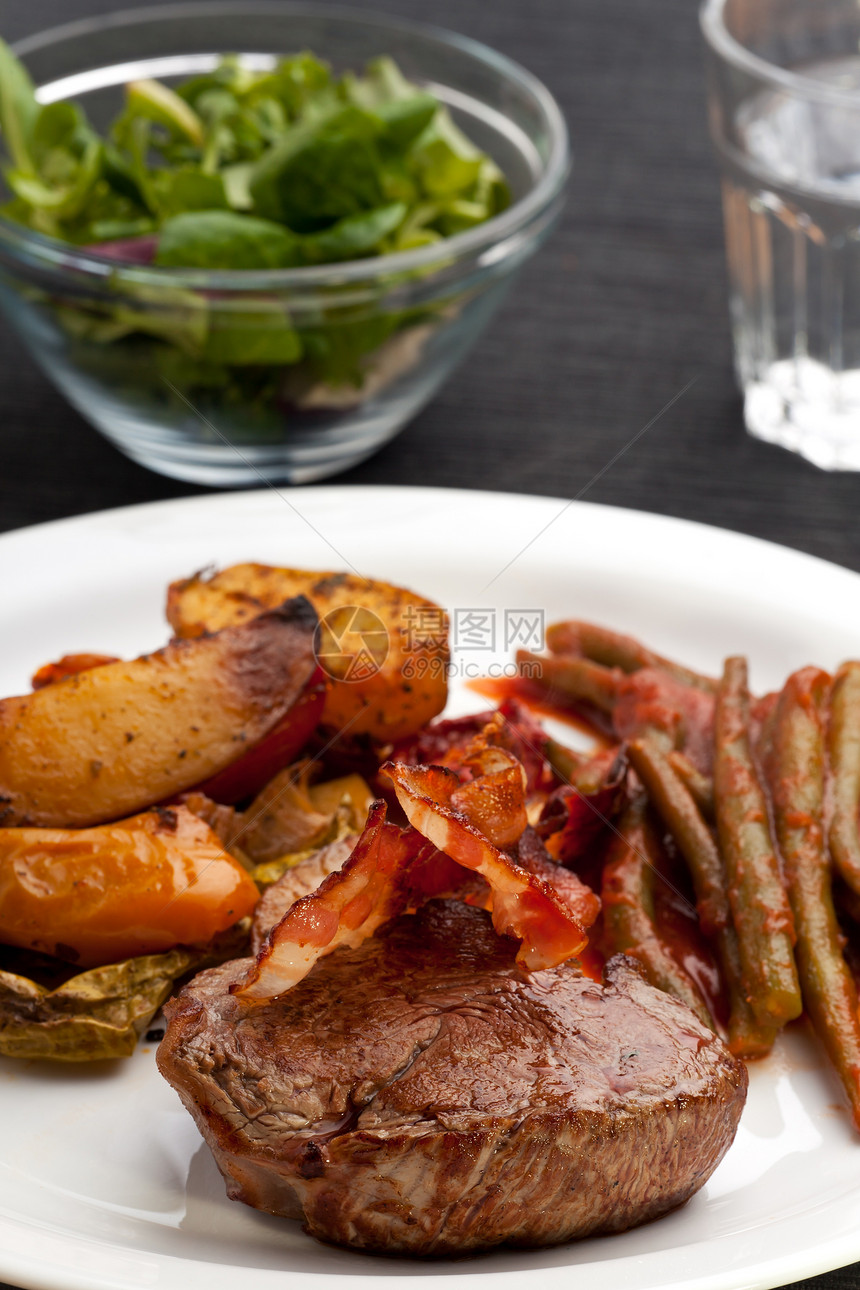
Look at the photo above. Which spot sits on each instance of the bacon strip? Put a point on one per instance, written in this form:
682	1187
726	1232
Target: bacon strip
446	742
523	906
579	898
576	814
345	909
452	846
493	798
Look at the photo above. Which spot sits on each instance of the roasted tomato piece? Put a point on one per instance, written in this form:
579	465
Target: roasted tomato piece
100	895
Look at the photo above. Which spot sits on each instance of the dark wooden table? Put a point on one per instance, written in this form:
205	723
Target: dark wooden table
623	307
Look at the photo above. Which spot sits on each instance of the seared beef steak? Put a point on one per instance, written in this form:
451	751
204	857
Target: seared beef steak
421	1094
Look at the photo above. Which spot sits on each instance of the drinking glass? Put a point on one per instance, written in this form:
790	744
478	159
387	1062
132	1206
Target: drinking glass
784	108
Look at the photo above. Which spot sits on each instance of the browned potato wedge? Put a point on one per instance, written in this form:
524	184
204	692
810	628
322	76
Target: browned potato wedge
115	739
387	665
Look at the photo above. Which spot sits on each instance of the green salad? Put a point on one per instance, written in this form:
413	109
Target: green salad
249	169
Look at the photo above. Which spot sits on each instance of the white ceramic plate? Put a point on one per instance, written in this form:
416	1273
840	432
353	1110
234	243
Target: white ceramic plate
103	1179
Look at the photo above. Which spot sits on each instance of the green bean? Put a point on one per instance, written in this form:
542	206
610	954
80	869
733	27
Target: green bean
629	920
763	743
760	908
844	748
746	1036
699	786
679	812
614	649
797	782
574	678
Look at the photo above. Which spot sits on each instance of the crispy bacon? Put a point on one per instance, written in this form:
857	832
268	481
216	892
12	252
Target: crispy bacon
345	909
576	814
453	845
493	797
523	906
441	742
579	898
446	742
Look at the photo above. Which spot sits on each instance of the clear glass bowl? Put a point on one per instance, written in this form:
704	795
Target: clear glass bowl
411	318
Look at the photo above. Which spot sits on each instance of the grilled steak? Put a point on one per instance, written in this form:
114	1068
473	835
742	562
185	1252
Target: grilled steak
421	1094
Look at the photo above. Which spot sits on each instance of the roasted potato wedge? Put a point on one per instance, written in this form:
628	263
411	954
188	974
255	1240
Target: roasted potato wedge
115	739
387	664
100	895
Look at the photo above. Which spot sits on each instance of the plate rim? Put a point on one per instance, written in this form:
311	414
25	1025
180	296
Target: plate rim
315	491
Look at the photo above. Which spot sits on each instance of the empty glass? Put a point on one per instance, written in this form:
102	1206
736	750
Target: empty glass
784	103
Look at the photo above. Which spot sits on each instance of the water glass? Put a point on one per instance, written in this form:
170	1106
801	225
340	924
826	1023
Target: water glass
784	108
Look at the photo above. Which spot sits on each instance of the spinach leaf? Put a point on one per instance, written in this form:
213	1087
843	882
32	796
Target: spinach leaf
171	314
237	185
320	173
406	118
355	235
334	352
58	127
225	240
259	335
294	83
189	190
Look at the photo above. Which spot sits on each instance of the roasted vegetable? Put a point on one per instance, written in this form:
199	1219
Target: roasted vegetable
573	678
142	886
629	914
290	816
699	786
276	750
114	739
387	663
68	665
760	908
94	1015
747	1037
614	649
50	1010
796	770
844	749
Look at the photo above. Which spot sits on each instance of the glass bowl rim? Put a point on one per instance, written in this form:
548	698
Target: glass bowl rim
493	233
723	43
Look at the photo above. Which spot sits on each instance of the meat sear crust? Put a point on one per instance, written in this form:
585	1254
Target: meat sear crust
422	1095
